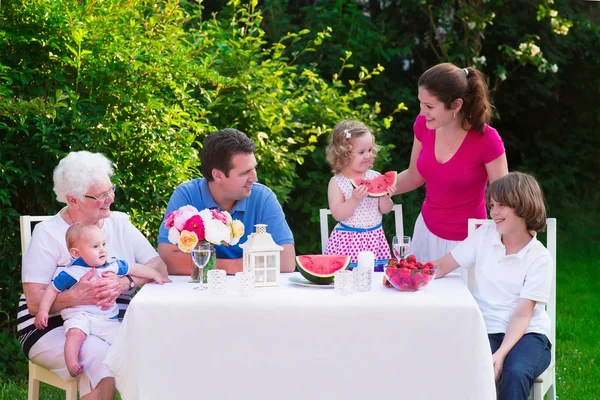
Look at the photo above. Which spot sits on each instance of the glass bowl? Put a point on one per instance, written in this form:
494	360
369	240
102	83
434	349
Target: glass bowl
409	279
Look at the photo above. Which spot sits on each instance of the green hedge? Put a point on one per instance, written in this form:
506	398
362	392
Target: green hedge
144	82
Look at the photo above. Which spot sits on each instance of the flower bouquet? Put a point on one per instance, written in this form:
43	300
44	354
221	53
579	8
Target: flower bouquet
189	227
408	275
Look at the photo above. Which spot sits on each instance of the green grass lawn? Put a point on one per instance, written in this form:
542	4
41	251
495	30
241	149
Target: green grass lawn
578	321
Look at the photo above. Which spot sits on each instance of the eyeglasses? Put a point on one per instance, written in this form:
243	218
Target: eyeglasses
103	196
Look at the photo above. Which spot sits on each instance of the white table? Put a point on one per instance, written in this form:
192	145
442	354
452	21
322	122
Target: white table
293	342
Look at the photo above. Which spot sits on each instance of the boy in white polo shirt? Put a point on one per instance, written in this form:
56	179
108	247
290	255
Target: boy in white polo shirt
513	276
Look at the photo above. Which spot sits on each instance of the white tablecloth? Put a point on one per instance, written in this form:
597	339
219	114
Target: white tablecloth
293	342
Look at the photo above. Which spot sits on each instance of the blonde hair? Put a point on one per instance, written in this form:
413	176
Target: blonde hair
339	147
75	231
523	193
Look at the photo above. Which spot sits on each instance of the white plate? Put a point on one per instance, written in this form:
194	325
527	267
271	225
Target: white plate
300	281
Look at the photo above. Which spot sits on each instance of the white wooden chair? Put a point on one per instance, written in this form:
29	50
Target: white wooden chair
325	212
39	374
546	382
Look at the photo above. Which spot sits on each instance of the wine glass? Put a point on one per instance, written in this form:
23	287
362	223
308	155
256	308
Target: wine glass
401	246
200	256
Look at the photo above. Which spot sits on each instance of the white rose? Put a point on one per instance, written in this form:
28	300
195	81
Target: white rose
216	232
206	215
174	235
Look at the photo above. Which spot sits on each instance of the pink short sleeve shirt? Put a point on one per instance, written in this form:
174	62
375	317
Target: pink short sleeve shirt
455	190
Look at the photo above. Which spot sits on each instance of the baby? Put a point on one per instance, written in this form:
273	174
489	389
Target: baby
88	248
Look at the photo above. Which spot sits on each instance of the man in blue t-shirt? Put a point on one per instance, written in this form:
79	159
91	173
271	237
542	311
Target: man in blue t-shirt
230	184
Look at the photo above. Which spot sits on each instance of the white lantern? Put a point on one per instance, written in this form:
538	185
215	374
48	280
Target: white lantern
262	257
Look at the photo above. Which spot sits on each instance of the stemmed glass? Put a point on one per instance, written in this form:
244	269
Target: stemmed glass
200	257
401	246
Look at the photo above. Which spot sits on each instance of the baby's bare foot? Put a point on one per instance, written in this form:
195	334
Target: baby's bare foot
75	370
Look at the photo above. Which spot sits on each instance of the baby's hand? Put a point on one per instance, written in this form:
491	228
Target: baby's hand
360	193
41	320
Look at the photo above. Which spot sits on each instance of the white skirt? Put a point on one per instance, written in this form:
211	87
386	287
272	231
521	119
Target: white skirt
426	246
49	353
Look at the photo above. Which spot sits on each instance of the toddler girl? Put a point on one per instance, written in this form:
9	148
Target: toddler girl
351	151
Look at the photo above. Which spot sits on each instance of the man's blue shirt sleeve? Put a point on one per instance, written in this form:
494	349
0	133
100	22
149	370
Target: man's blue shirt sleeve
273	216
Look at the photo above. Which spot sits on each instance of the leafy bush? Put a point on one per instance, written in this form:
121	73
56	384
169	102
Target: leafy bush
144	82
542	57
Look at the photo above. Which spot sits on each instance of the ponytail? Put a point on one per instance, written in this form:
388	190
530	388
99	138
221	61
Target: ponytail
476	109
447	83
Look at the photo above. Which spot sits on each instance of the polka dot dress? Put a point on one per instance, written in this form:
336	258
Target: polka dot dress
366	215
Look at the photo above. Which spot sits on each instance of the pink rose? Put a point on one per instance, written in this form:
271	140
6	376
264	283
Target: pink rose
170	220
196	225
219	216
181	218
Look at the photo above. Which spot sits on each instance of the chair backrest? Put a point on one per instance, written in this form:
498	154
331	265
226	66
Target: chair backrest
325	212
551	246
25	222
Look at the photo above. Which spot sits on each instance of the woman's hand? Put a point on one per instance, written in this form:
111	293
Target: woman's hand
101	292
108	288
85	290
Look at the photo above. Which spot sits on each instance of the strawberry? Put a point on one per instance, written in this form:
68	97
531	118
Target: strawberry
405	283
411	259
392	262
403	273
411	266
418	280
429	278
391	271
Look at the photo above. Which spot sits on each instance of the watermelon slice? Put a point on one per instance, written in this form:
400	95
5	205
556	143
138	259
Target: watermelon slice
320	268
377	187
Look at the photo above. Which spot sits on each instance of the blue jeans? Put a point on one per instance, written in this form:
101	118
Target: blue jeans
525	362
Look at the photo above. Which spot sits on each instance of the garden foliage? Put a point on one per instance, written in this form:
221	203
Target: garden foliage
144	82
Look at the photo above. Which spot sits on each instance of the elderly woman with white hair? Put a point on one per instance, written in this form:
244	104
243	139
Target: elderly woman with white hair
82	182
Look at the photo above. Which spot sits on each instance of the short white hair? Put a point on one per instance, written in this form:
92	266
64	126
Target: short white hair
78	172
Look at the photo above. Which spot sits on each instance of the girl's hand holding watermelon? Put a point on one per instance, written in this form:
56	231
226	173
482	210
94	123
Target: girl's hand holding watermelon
391	190
360	193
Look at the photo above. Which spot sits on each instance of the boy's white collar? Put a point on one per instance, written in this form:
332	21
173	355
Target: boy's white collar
521	253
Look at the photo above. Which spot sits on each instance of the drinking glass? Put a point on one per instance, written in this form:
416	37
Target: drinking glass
217	281
343	282
245	282
362	279
401	246
201	254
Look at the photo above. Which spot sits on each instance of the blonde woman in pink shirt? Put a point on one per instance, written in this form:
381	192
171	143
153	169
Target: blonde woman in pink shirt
455	154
